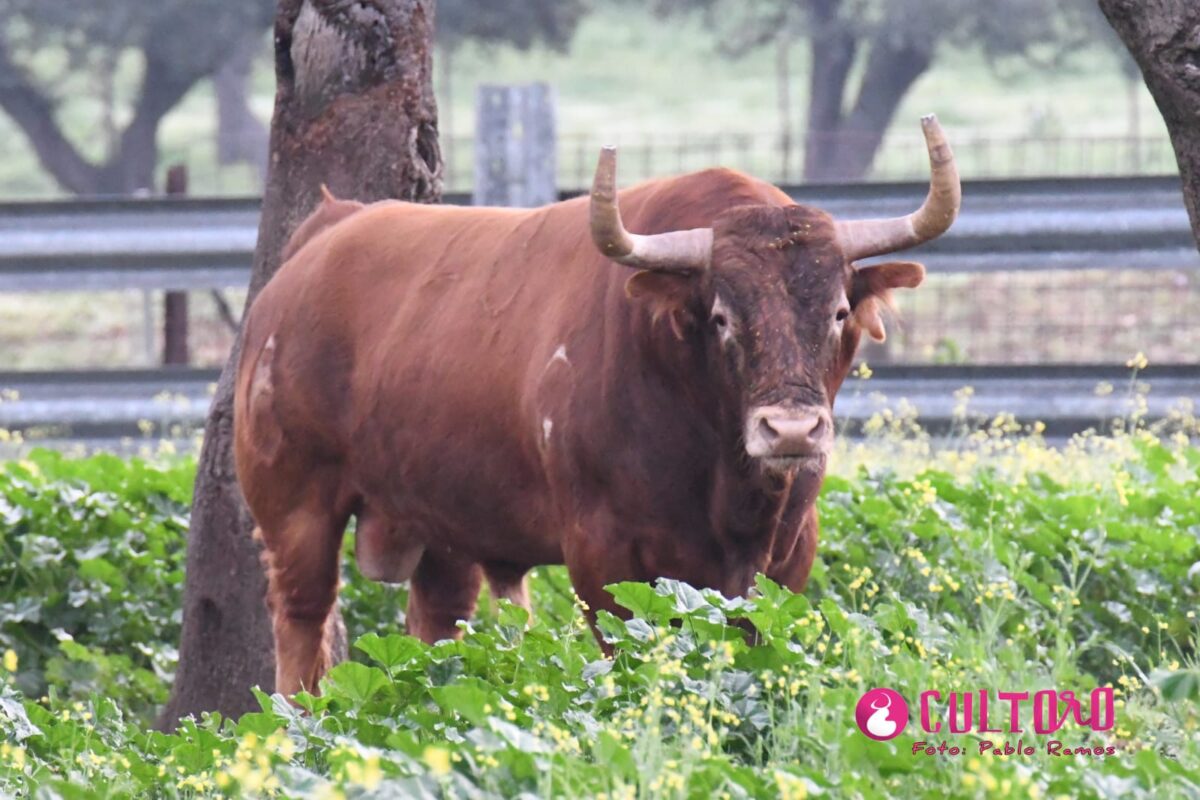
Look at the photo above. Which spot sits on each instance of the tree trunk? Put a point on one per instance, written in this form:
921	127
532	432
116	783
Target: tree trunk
892	69
1164	38
832	46
840	144
354	109
240	135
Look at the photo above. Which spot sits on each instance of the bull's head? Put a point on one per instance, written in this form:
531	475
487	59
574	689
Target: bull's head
777	298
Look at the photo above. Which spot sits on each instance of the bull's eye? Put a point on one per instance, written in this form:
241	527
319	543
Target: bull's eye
719	317
841	315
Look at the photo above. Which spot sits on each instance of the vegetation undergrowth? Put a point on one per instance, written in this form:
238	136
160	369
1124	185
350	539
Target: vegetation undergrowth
997	563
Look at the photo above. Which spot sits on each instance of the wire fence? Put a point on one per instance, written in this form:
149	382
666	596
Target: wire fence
772	157
1061	317
779	160
1043	317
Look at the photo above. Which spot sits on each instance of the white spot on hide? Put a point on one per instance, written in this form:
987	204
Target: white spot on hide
547	427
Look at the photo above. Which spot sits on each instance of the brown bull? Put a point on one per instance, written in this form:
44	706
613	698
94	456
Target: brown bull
485	390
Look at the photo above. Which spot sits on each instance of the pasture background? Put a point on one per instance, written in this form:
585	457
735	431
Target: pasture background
630	76
635	79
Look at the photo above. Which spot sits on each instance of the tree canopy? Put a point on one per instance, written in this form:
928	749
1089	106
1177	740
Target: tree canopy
866	54
520	23
49	44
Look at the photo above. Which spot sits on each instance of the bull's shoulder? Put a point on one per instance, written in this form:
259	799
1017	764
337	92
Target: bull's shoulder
331	211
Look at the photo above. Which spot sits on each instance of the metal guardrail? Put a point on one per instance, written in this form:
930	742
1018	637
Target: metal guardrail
1037	224
108	405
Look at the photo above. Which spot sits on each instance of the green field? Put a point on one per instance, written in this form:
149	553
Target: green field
1000	564
634	79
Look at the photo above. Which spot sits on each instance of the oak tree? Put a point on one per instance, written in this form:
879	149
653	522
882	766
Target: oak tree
865	55
175	44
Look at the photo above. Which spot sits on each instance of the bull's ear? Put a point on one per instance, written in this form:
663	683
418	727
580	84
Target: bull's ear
872	291
664	289
666	293
879	279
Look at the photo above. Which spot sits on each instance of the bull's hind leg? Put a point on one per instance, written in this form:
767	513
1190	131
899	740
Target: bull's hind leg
302	558
443	590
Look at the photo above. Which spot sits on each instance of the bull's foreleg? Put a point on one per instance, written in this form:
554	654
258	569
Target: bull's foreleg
595	557
794	552
443	590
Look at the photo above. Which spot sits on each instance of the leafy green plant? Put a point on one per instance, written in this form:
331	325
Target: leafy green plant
1019	569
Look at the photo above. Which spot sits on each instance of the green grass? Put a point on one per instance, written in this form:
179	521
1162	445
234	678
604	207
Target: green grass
632	78
1003	565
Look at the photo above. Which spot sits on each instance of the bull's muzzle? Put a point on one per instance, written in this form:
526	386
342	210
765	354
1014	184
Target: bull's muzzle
780	432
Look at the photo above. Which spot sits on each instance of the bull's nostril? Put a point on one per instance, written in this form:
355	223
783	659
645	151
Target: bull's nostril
818	429
767	430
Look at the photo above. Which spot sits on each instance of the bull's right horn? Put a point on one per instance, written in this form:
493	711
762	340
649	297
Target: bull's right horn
861	238
678	251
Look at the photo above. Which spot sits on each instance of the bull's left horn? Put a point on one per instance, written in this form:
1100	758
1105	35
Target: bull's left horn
873	237
678	251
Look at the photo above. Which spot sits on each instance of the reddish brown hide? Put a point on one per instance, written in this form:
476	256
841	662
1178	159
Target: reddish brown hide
486	392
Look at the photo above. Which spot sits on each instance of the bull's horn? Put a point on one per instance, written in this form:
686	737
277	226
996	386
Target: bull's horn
678	251
872	237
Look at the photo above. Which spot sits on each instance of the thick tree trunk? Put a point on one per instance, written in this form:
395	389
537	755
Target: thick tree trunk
354	109
1164	38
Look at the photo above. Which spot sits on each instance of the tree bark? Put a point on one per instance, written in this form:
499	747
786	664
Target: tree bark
1164	38
354	109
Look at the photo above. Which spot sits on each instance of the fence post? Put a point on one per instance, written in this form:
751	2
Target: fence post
175	303
515	146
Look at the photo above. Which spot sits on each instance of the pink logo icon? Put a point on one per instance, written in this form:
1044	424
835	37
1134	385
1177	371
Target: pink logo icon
881	714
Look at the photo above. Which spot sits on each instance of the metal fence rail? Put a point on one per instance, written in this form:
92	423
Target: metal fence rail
1006	226
170	403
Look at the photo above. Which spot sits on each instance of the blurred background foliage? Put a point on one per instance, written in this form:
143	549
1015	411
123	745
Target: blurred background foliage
96	99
